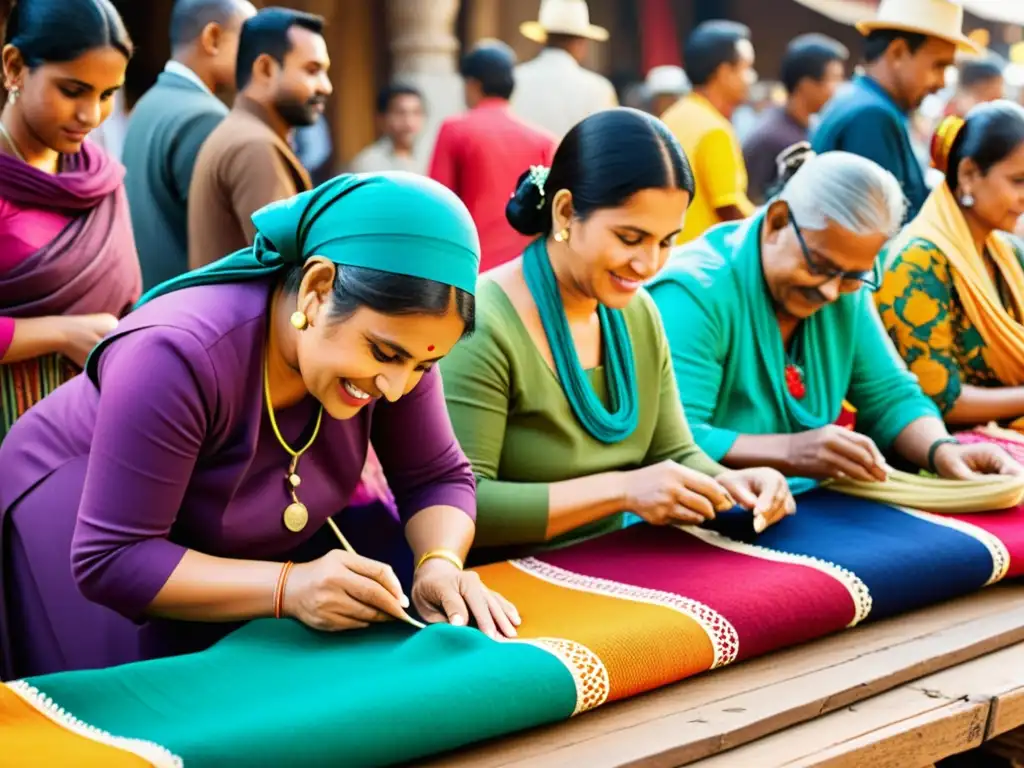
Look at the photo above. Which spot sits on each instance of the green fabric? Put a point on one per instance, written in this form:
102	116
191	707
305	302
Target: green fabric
608	426
395	222
518	430
729	360
276	693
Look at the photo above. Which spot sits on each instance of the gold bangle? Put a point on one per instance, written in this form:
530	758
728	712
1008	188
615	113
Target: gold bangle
443	554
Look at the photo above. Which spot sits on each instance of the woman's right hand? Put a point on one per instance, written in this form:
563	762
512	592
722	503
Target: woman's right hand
80	333
667	493
343	591
836	452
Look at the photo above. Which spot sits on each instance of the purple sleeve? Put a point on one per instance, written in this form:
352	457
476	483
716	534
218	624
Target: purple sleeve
6	335
422	460
156	393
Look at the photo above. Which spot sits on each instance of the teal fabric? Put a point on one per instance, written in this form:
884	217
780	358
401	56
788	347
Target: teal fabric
395	222
247	701
729	360
863	119
608	426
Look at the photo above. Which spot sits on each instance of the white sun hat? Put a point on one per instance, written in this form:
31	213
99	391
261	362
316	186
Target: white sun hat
562	17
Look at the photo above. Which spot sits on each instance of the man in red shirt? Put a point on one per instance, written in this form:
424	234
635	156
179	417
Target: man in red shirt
481	154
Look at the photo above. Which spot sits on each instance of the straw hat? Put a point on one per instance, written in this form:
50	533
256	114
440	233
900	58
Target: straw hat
562	17
943	19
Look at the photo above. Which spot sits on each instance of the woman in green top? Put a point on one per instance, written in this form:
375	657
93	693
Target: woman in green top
772	324
564	399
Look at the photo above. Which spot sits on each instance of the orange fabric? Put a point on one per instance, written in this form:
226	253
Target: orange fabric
30	738
629	637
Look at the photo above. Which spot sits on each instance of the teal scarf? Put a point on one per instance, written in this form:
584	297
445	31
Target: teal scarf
396	222
620	370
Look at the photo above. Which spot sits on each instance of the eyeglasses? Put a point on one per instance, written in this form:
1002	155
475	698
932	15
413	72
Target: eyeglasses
872	279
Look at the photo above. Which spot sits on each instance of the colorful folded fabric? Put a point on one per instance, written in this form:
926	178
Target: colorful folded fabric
604	620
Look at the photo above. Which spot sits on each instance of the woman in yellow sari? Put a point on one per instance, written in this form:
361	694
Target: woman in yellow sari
952	296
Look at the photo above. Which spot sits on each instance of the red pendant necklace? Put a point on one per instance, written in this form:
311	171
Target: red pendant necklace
795	381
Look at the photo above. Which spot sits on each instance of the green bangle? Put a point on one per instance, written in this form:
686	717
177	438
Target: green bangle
935	446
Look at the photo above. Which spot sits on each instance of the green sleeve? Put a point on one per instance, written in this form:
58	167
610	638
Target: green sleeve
477	383
672	437
886	395
695	340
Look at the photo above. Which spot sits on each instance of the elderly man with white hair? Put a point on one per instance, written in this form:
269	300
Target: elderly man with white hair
772	326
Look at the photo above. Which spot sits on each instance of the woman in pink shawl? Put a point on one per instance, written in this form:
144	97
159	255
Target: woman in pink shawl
68	266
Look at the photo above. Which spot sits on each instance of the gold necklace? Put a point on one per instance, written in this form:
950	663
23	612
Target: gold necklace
296	515
6	136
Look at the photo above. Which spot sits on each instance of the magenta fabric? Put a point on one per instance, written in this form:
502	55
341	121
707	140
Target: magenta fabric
737	585
87	265
25	229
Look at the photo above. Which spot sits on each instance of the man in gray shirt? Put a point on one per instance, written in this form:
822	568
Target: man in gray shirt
812	70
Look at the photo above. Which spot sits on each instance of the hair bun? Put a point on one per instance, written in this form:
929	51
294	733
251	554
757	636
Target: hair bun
526	211
943	140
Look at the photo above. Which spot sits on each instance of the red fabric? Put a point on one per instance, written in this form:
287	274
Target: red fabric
480	156
659	35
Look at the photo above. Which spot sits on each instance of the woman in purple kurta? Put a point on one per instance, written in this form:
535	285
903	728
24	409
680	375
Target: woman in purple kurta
144	502
68	266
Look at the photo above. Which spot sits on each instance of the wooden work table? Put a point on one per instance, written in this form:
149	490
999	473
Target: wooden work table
902	693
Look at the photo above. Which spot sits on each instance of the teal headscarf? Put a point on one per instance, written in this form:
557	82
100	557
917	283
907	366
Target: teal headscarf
395	222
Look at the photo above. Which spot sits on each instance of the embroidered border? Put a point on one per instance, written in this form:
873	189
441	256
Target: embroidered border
996	548
147	750
588	671
858	590
725	641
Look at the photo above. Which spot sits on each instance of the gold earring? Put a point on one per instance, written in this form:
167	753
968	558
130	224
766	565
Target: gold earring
563	236
299	321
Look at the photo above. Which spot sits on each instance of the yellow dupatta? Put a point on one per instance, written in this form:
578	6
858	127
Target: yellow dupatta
941	222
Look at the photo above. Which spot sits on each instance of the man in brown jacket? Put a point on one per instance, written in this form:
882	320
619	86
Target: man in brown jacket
246	163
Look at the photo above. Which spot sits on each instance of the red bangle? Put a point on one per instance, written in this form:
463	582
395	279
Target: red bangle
279	589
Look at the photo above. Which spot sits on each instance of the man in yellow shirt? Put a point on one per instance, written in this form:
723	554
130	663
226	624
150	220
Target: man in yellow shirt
720	64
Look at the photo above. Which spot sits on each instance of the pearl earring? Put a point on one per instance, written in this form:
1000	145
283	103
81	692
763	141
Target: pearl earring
967	200
563	236
12	94
299	321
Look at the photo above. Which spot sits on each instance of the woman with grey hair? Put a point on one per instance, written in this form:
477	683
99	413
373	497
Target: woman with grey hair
772	326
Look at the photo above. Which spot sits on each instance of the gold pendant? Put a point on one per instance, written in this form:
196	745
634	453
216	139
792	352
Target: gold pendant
296	516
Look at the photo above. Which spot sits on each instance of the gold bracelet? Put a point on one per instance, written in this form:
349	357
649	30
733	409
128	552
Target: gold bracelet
444	554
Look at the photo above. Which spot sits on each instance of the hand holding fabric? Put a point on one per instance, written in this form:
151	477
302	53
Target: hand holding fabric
668	493
968	462
80	333
343	591
443	593
762	490
835	452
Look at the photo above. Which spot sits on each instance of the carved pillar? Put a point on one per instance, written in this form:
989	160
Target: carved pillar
484	20
425	54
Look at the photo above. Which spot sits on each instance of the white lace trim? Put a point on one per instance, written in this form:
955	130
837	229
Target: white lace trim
588	671
147	750
996	548
725	641
858	590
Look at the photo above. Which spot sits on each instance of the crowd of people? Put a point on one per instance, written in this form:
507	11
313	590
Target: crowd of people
198	348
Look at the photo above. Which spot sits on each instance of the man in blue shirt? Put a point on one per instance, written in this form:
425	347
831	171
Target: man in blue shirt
908	48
